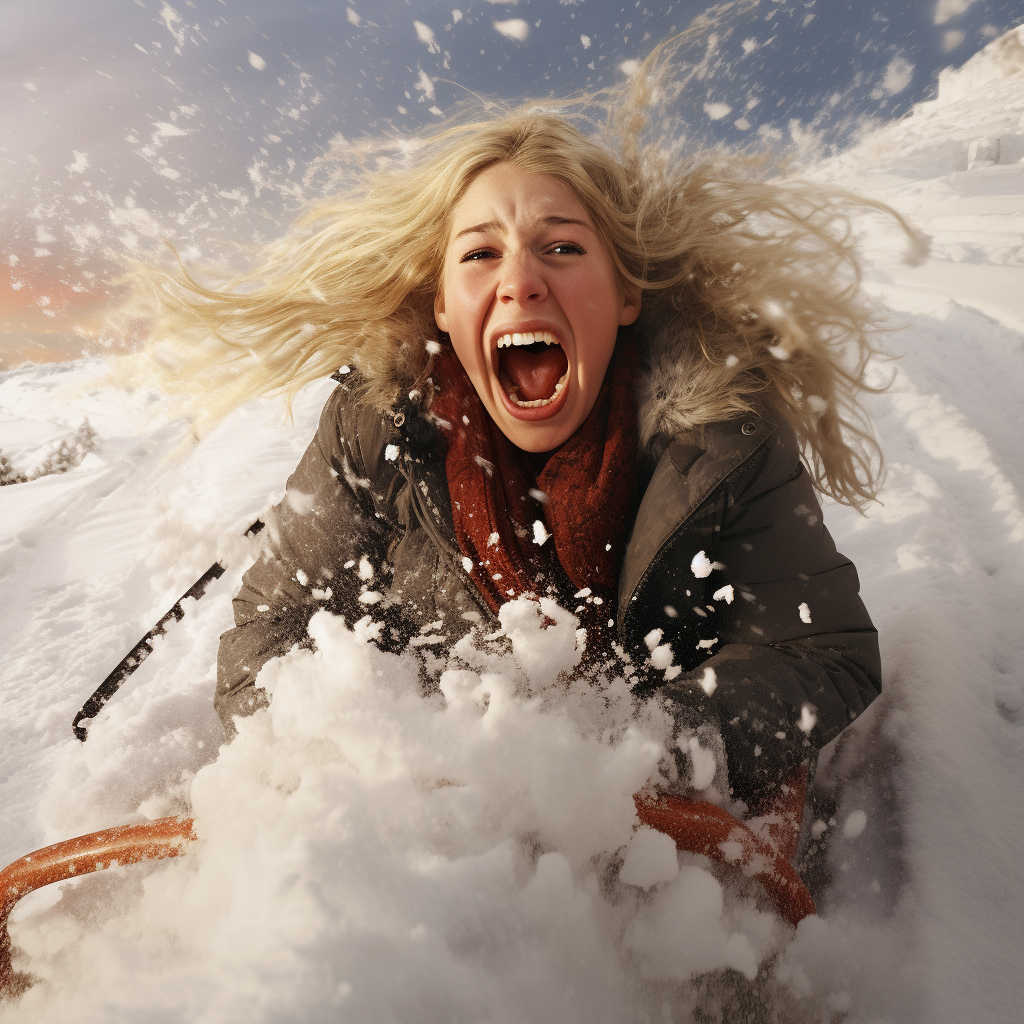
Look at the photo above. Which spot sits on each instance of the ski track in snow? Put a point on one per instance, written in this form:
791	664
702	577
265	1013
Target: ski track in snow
921	891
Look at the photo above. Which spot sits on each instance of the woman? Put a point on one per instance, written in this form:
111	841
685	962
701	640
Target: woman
574	375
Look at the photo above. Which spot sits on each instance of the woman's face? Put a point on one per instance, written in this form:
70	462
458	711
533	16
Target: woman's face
532	302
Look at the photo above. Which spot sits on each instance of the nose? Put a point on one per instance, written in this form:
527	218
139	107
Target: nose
522	279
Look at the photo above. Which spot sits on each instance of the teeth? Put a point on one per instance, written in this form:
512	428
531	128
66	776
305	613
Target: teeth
537	403
526	338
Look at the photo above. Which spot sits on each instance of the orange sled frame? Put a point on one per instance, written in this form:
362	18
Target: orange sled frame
696	826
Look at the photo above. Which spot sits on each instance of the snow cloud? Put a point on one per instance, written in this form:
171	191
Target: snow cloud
257	61
353	18
946	9
951	40
514	28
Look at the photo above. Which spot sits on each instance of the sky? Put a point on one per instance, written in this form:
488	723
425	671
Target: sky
127	122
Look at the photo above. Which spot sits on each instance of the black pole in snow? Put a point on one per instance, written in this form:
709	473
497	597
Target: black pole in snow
144	648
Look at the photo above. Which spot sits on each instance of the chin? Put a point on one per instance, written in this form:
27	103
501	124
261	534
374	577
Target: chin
543	436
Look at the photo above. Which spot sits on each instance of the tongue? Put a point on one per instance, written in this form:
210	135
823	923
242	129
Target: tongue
534	369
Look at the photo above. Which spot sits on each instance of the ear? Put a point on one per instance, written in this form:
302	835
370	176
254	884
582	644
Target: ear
440	317
630	308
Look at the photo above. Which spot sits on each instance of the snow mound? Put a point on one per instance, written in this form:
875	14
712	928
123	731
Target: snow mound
370	852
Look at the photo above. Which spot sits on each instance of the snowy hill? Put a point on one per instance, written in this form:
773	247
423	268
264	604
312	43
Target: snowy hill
364	861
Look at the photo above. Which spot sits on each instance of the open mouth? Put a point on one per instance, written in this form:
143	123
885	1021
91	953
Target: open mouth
532	368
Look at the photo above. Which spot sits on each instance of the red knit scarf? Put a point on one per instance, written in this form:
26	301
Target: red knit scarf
588	483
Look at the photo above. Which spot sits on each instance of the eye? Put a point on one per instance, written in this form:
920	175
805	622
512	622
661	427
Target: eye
567	249
478	254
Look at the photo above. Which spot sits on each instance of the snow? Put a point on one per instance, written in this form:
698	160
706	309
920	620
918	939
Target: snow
368	854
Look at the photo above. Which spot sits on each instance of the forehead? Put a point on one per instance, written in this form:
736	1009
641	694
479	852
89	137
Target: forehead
506	196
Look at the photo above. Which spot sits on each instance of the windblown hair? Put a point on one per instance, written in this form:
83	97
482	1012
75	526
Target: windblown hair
751	288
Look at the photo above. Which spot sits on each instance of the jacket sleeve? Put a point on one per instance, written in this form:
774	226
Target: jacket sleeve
795	653
326	547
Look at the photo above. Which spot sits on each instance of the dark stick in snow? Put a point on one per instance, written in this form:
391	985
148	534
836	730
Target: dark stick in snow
144	648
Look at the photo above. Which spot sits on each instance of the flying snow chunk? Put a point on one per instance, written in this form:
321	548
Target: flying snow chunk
166	130
662	658
585	40
650	859
726	594
80	164
951	40
425	86
748	46
353	18
365	569
391	452
854	824
653	638
629	67
467	563
709	682
946	9
716	111
808	719
170	17
702	566
425	34
514	28
805	612
702	762
257	61
540	533
817	405
898	75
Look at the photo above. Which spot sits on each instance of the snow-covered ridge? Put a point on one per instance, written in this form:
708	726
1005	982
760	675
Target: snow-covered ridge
1003	58
981	103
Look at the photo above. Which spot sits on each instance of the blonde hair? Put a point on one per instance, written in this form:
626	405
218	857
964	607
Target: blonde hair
750	287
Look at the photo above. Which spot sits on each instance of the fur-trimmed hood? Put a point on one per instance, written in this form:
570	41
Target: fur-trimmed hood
680	388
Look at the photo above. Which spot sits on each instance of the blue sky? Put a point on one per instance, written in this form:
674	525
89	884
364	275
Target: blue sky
127	120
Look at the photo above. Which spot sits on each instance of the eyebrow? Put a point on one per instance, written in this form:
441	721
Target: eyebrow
492	225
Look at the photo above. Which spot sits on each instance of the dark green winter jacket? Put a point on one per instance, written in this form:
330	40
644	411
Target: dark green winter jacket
789	643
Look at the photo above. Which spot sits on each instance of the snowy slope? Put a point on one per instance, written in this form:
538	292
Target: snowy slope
371	857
